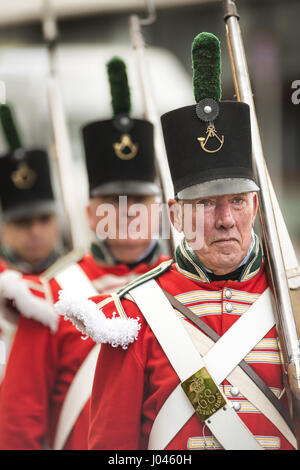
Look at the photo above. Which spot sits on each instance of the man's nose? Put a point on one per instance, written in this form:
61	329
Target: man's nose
224	217
36	228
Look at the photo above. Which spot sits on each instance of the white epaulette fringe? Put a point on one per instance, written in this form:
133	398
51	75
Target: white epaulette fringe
92	322
28	305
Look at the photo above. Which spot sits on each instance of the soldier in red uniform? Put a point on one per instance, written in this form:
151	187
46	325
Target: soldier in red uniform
30	239
202	370
45	393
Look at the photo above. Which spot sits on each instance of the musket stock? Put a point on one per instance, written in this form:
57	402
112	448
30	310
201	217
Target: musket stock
277	245
62	149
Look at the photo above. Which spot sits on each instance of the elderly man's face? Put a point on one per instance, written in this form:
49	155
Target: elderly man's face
227	222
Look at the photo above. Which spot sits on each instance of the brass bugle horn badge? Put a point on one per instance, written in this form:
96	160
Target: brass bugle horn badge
211	133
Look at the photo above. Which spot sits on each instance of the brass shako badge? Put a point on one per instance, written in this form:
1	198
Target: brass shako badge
24	177
211	132
207	110
125	149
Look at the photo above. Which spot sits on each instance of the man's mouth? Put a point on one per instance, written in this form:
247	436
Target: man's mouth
225	240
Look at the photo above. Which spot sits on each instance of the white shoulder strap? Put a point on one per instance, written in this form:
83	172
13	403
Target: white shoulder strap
73	277
186	361
79	392
173	414
7	332
77	396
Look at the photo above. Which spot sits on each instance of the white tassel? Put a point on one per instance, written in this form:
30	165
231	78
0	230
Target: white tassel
88	319
29	305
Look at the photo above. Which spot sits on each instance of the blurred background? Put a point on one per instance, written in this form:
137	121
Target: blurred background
91	32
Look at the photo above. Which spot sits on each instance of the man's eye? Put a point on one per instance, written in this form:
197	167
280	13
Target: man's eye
238	200
112	200
205	202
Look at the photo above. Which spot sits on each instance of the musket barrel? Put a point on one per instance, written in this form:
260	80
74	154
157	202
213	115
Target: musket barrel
244	93
62	153
286	326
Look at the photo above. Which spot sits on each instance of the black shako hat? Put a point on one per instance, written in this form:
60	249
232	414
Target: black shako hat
119	152
209	144
25	181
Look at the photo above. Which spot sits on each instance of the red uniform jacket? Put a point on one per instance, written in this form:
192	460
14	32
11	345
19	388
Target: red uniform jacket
42	365
130	386
3	265
9	315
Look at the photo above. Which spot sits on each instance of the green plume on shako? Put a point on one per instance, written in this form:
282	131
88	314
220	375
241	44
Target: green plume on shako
119	88
206	63
9	127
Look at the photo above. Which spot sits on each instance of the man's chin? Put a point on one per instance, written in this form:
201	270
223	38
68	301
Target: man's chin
129	243
32	260
226	259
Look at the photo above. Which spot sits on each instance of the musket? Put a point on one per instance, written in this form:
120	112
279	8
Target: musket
150	111
281	262
62	152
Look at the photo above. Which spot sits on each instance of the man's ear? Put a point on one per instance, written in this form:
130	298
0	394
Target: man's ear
255	207
175	214
90	213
